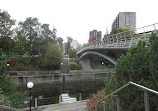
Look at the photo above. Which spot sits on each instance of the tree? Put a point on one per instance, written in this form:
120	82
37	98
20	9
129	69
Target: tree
153	57
68	45
21	44
45	38
74	66
4	100
2	63
133	67
72	53
60	41
54	33
6	24
30	29
53	57
140	66
153	68
115	30
8	92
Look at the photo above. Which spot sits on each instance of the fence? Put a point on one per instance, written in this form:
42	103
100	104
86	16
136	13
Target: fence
146	97
123	40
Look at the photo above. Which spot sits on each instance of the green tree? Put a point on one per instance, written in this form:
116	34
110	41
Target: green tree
69	50
138	65
30	29
72	53
68	46
115	30
133	67
6	24
4	100
21	44
46	36
53	57
74	66
60	41
153	55
125	33
54	34
16	98
11	97
153	68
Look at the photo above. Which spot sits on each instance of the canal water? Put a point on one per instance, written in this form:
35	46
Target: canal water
49	93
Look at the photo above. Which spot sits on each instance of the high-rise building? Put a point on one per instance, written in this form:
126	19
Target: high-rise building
75	45
94	35
125	20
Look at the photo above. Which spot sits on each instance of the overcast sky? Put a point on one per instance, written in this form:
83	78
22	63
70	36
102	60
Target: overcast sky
76	18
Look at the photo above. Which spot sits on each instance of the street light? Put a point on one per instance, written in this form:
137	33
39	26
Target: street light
7	68
7	64
30	85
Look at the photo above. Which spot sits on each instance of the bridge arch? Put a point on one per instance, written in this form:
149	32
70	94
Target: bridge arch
112	60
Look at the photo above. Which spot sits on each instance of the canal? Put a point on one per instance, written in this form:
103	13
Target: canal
49	85
49	93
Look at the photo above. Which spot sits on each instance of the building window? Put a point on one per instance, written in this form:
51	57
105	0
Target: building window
127	20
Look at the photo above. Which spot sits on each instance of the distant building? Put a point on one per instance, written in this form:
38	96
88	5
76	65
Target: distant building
94	35
75	45
125	20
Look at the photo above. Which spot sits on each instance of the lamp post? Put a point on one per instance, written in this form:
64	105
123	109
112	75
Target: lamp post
7	68
30	85
7	64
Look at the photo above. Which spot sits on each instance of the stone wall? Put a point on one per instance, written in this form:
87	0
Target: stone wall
42	77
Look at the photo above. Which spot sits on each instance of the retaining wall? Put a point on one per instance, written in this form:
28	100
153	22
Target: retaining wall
22	77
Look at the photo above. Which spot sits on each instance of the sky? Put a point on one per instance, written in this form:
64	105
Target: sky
75	18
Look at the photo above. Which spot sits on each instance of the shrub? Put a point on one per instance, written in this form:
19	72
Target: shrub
12	97
74	60
74	66
20	67
4	100
93	99
53	57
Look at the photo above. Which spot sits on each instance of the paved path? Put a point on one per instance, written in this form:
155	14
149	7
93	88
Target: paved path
76	106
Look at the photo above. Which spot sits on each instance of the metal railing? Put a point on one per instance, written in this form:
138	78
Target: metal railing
6	108
121	40
146	97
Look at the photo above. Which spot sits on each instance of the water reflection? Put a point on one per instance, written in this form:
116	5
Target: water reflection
49	93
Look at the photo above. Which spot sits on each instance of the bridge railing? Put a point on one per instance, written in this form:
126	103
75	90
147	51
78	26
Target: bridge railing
124	39
142	88
6	108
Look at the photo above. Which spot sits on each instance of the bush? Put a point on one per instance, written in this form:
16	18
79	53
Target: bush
74	60
53	57
4	100
74	66
20	63
93	99
15	98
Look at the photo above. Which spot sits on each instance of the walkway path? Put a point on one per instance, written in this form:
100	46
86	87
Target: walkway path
76	106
